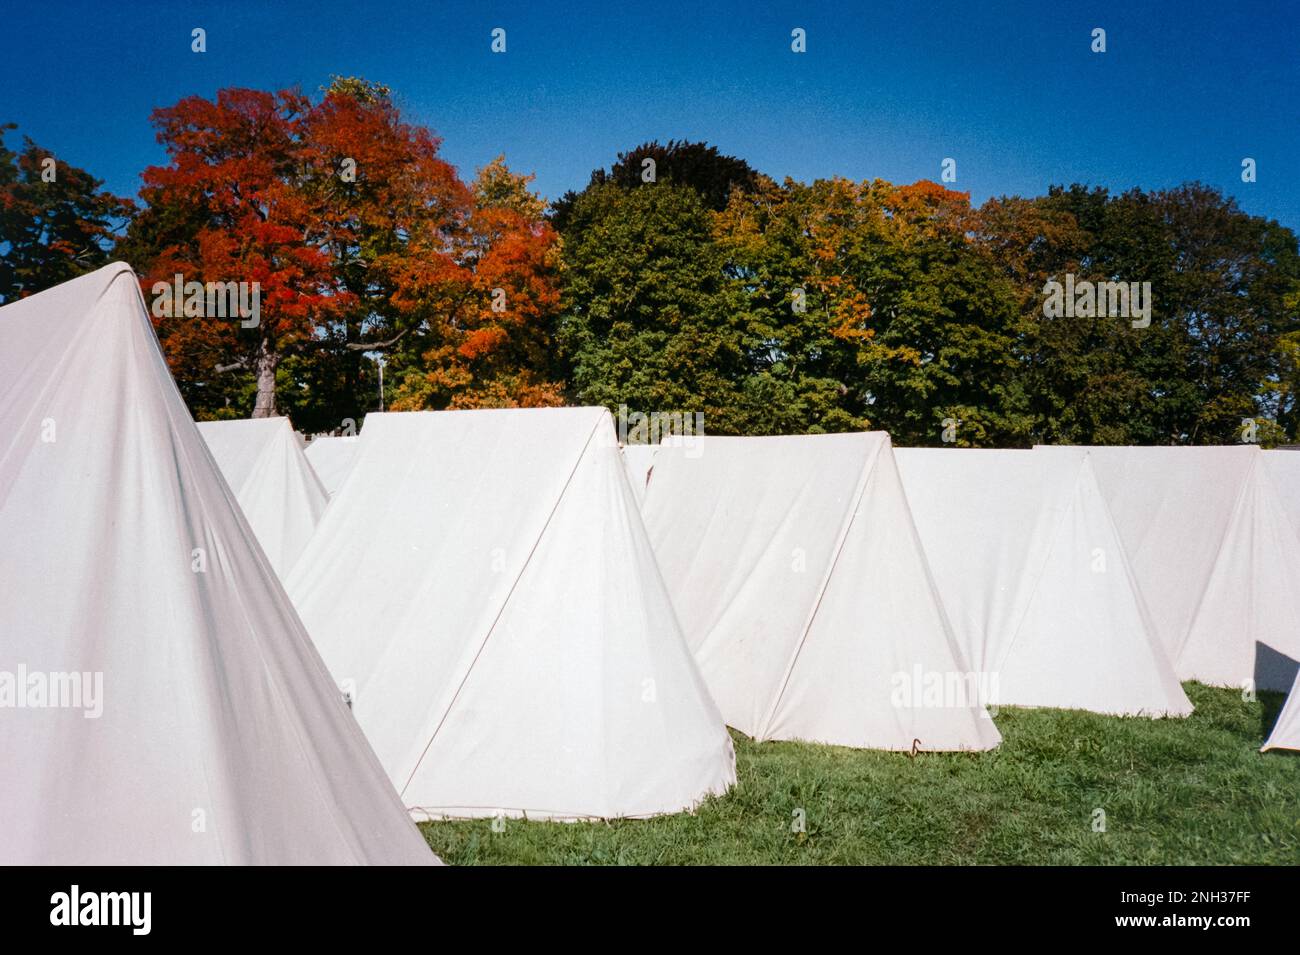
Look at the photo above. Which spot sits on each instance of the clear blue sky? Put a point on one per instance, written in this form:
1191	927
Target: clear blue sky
1010	90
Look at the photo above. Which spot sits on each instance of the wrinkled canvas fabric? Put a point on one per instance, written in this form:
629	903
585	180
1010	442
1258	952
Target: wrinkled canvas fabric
279	493
1208	538
124	559
483	587
804	594
1035	581
331	458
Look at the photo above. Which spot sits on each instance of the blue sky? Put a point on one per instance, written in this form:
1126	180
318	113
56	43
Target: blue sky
886	89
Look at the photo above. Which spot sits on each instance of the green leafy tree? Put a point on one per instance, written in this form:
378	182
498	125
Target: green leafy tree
1213	352
56	220
871	305
1230	294
649	319
713	175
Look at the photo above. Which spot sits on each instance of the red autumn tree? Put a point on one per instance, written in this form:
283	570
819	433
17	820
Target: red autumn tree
364	239
230	208
489	345
394	216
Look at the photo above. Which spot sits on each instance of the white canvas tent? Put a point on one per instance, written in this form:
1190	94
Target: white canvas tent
1283	470
331	458
803	592
639	460
483	586
1286	731
196	724
1214	554
263	462
1283	467
1035	581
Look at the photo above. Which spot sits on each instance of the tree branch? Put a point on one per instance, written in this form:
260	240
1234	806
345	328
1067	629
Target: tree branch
376	346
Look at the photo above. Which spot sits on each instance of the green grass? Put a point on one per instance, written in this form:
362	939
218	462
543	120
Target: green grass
1194	791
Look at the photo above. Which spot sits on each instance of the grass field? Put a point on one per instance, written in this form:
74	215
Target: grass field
1194	791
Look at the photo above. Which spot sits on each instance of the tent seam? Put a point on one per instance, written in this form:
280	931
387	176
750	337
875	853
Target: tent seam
860	491
523	568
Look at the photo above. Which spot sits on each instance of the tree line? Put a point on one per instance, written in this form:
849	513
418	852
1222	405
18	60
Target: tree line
678	279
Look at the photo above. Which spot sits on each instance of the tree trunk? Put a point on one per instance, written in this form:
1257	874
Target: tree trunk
267	360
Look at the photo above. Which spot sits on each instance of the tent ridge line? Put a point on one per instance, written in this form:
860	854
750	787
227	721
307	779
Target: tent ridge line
868	469
505	602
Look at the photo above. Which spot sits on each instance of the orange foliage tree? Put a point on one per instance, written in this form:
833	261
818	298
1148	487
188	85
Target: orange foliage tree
491	347
363	241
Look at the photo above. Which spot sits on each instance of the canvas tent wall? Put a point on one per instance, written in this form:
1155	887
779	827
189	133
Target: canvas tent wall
331	458
1213	552
483	586
1035	582
803	592
639	460
263	462
1286	731
125	562
1283	468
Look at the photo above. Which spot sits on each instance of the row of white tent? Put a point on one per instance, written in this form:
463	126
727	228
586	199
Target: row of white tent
1090	578
520	629
1043	603
494	616
1032	569
483	524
